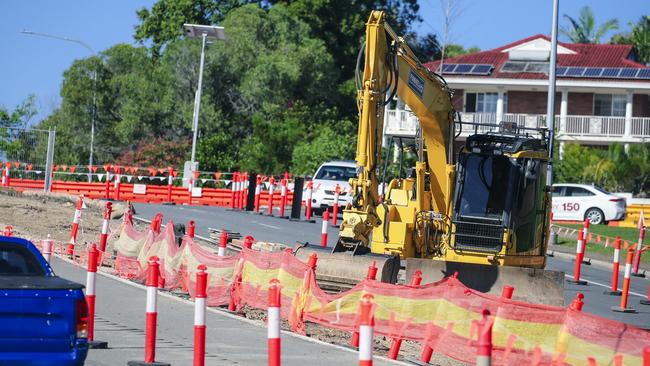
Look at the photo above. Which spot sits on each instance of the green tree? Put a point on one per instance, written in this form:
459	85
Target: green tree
328	145
453	50
15	142
584	30
164	22
614	169
639	37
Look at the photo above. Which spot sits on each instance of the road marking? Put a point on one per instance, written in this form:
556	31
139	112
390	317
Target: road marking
606	286
271	226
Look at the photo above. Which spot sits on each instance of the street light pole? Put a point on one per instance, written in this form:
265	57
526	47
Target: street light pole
205	32
550	105
94	77
197	100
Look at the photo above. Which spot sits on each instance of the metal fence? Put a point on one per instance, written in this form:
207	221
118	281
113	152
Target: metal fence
29	146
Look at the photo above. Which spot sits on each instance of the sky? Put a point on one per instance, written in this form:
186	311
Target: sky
35	65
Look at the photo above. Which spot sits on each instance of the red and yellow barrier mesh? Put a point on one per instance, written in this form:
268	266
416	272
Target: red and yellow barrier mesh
442	315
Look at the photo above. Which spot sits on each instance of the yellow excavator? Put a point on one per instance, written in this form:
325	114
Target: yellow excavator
480	212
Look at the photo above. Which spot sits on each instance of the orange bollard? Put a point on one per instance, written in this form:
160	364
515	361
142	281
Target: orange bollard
283	195
271	194
507	292
323	233
366	330
199	315
258	191
273	323
484	344
580	253
223	244
626	285
335	208
191	228
104	233
372	271
75	226
615	268
310	190
248	242
637	253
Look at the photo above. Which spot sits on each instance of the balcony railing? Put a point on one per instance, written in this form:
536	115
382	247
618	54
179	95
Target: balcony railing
404	123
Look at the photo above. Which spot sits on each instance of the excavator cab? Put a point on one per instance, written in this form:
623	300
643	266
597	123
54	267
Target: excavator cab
500	201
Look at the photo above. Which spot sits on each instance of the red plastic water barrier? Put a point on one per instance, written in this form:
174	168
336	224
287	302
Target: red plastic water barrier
273	323
199	315
366	330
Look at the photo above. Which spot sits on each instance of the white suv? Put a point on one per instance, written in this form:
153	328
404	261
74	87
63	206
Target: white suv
581	201
325	180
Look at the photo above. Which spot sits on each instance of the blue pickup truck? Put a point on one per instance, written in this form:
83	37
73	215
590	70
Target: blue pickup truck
43	318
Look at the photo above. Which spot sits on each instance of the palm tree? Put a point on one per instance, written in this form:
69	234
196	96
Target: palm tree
584	29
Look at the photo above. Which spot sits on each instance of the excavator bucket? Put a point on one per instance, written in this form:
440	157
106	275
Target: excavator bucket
537	286
341	271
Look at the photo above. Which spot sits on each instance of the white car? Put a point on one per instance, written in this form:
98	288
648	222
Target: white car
325	180
578	202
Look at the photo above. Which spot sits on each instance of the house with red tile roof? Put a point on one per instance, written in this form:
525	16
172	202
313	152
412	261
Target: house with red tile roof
602	93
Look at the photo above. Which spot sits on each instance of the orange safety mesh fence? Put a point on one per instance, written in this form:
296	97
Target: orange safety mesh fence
220	272
442	314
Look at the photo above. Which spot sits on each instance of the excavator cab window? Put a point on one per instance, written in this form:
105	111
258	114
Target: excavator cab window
484	186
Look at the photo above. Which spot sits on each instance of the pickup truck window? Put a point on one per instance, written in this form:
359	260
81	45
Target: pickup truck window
16	260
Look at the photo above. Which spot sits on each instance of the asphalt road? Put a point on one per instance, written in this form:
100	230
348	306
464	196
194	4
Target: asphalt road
230	340
284	231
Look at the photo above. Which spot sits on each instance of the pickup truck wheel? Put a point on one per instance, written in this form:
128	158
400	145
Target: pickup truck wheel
595	216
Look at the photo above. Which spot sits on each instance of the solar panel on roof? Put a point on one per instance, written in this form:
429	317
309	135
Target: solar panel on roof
610	72
560	71
481	69
575	71
628	73
593	71
448	67
463	68
643	74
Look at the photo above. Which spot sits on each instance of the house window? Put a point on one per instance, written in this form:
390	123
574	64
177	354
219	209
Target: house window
609	105
483	102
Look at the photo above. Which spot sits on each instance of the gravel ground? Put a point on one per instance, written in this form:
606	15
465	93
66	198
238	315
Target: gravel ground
35	215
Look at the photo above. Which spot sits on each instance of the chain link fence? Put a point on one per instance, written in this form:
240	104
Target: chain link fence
29	147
